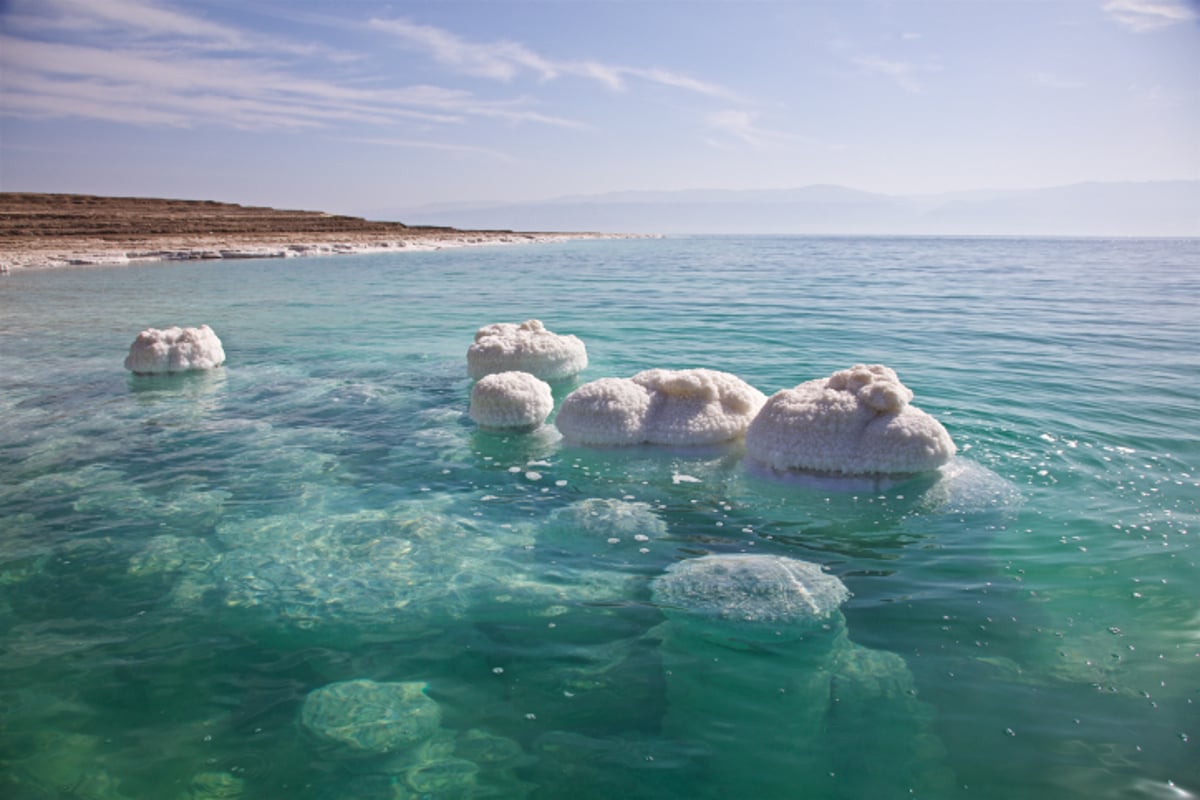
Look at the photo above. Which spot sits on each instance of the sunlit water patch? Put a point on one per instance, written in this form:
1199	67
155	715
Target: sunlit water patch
186	560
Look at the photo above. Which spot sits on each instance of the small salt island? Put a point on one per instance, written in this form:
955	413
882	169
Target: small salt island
510	401
174	349
526	347
660	406
858	421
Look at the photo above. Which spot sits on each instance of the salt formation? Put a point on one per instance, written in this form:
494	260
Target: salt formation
603	518
751	591
855	422
390	739
602	527
660	406
409	568
527	347
768	630
510	400
363	718
174	349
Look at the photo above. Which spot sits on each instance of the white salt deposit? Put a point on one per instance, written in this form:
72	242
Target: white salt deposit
174	349
527	347
510	400
855	422
660	406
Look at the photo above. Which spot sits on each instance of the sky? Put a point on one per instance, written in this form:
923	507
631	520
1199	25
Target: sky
355	105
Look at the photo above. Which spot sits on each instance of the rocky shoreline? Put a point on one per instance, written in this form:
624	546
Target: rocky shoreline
57	230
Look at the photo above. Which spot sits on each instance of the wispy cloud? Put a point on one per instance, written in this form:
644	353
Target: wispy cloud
505	60
142	63
1144	16
445	147
904	73
156	64
501	60
144	21
743	126
44	79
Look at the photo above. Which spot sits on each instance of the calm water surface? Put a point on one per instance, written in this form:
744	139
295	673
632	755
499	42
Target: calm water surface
184	559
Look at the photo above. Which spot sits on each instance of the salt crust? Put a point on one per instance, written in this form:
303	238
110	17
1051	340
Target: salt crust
96	253
527	347
174	349
855	422
515	400
660	406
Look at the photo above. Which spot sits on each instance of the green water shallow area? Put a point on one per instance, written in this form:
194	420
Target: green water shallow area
308	574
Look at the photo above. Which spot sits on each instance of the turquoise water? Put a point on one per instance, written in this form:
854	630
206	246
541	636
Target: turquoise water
184	559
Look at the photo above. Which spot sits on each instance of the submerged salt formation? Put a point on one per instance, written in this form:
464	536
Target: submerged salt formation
602	528
515	400
660	406
605	518
768	630
174	349
784	595
362	718
855	422
390	742
411	568
527	347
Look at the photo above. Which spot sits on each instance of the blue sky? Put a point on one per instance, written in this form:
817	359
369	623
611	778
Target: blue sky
355	105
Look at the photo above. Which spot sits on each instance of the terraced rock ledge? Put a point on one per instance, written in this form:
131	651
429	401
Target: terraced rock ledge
55	230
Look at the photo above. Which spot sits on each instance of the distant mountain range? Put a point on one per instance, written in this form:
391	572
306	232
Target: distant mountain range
1158	208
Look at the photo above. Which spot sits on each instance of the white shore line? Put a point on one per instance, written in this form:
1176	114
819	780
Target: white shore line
117	255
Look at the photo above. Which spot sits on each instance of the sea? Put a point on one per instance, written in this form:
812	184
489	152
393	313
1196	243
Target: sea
187	561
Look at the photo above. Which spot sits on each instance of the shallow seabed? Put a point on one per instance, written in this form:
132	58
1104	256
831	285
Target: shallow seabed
184	559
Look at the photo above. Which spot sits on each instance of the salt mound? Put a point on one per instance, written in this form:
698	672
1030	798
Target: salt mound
855	422
174	349
660	406
606	411
510	400
528	347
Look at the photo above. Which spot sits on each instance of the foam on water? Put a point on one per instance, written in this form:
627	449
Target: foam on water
185	558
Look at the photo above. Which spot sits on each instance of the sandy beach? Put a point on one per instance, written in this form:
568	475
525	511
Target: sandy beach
57	230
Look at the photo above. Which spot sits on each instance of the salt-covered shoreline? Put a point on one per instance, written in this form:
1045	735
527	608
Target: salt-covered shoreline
75	254
42	231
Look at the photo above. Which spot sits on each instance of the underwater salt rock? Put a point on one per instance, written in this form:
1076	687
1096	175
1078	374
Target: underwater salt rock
606	518
215	786
447	777
510	400
749	589
660	406
174	349
58	761
855	422
362	718
360	568
168	553
769	631
483	747
527	347
401	567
